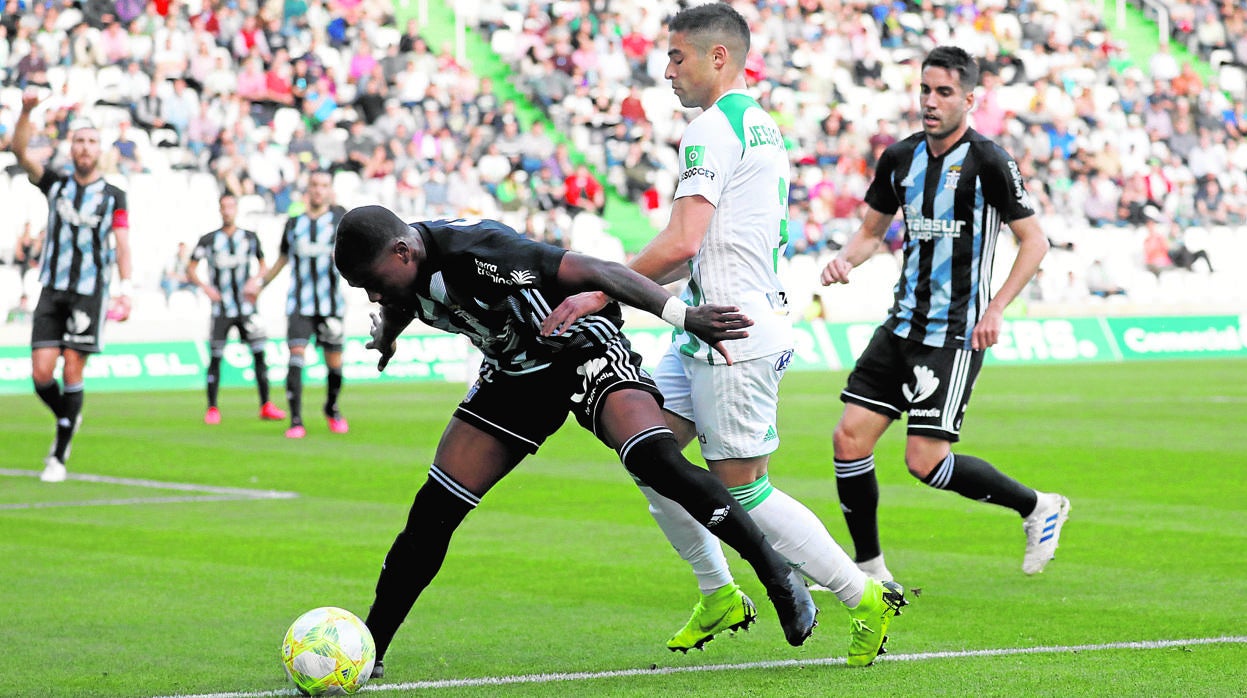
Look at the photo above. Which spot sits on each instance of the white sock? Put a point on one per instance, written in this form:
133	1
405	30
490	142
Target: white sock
694	542
798	535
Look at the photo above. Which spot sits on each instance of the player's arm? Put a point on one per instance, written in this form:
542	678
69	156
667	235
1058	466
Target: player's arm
192	275
714	324
257	283
664	260
859	248
121	238
22	131
1032	246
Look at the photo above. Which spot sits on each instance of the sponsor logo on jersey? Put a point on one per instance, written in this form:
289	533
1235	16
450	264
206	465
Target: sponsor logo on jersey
924	386
225	260
1019	190
307	248
518	277
65	209
922	228
694	156
694	159
784	359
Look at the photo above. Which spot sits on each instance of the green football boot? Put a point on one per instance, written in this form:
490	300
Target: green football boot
868	623
725	609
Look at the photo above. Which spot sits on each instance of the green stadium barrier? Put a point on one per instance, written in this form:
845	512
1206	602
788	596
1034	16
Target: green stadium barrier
819	347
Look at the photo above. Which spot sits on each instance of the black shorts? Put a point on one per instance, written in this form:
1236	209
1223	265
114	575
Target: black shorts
523	410
68	320
328	331
933	384
250	331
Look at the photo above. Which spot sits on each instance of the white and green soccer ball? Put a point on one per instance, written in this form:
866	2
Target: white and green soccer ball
328	651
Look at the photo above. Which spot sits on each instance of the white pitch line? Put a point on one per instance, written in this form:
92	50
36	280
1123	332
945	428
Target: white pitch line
211	493
785	663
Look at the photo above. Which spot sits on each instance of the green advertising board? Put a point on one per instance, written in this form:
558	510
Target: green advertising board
819	347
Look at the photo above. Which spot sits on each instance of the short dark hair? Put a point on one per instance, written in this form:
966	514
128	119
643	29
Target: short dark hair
363	234
717	20
955	58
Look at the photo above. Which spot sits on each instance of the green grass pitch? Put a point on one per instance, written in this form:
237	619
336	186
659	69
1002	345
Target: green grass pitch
105	591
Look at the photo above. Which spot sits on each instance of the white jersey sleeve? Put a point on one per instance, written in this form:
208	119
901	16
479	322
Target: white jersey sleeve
734	156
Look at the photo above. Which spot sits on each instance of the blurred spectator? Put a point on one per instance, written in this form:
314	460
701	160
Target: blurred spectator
1182	256
1156	249
174	277
583	192
1100	283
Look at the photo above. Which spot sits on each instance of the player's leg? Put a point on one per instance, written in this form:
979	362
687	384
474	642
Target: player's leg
218	335
251	330
468	462
936	424
874	398
329	334
486	437
47	331
631	422
298	332
722	606
73	365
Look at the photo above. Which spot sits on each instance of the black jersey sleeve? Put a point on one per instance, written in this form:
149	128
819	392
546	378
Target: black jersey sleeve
257	249
881	195
49	178
203	248
1003	186
285	237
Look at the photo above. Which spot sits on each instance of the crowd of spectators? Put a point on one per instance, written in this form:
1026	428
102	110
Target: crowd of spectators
260	93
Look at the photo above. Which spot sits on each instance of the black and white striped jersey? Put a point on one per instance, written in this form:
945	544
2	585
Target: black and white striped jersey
229	257
78	249
315	285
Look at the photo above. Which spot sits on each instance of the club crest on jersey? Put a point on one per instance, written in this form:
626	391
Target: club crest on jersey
952	176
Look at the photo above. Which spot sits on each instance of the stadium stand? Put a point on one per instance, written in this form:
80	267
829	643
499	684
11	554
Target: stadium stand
251	96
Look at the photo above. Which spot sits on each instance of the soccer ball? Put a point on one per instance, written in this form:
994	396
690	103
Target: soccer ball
328	652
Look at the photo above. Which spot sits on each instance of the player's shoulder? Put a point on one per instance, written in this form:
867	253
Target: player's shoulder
205	240
987	148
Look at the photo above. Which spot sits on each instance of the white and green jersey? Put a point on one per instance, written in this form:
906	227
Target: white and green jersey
734	156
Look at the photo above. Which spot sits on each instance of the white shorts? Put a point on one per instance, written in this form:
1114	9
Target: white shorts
733	407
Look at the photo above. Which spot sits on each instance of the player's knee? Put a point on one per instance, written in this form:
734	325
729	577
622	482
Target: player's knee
653	457
921	461
850	443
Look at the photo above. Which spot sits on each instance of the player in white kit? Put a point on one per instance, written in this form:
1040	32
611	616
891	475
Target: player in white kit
728	227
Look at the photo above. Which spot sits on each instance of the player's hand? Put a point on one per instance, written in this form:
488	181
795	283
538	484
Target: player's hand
987	329
119	309
836	272
30	100
251	289
715	324
572	309
215	295
387	347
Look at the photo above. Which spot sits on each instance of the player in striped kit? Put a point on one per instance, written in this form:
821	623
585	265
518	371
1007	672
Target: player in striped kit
88	232
955	188
229	252
314	305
